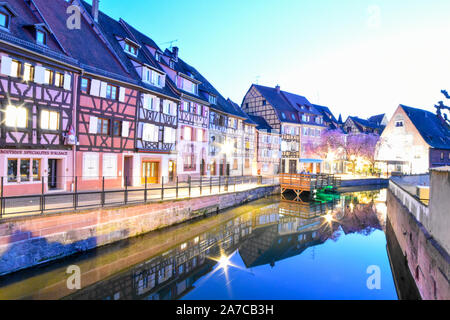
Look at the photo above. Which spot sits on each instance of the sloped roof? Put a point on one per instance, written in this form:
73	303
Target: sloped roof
82	44
327	116
239	112
365	123
117	30
432	129
377	119
261	123
279	103
21	34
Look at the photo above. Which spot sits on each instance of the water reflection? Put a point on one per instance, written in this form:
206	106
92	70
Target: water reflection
275	233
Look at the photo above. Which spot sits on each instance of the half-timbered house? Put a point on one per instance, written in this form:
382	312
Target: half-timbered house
193	114
157	103
297	120
268	146
107	99
37	80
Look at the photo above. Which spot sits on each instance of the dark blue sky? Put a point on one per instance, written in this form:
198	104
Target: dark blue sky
358	57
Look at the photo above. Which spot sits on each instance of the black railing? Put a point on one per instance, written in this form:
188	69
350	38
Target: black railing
99	195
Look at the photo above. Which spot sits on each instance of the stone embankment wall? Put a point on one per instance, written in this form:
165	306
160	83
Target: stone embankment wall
31	241
428	261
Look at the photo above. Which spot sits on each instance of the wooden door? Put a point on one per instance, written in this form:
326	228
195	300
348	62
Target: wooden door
150	170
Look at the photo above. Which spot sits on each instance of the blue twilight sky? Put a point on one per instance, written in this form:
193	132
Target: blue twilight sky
357	57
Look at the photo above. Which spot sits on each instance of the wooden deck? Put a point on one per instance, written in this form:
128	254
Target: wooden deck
301	183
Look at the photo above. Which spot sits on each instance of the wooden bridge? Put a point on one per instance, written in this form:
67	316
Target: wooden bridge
301	183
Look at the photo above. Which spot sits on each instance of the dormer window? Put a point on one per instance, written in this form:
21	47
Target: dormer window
6	13
4	20
212	99
131	48
41	37
172	64
158	57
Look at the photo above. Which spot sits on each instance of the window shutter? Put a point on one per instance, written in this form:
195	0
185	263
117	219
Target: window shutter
103	89
156	105
122	94
95	87
6	65
125	129
93	125
145	101
181	132
67	81
39	74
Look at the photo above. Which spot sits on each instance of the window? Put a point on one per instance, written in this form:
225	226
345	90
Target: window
399	123
85	85
28	72
185	106
41	37
49	120
172	64
12	170
16	116
283	115
15	68
109	165
48	76
4	20
187	133
36	170
194	88
59	79
212	99
146	75
111	92
264	102
103	126
117	128
442	156
235	164
131	49
24	170
293	117
199	135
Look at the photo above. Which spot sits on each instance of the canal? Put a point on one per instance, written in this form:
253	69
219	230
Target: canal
334	248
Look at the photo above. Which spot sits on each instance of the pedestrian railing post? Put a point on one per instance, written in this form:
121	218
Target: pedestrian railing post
162	187
75	194
103	191
145	190
201	180
126	190
210	185
42	196
176	190
189	183
220	178
1	200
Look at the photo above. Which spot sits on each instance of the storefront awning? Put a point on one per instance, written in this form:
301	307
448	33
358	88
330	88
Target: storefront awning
311	160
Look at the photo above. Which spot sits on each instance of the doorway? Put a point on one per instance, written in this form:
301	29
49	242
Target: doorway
172	170
150	170
52	174
292	166
128	171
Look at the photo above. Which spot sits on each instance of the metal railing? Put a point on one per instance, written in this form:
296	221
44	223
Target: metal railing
98	193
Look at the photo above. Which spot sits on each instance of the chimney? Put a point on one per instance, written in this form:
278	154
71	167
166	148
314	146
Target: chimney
278	88
95	6
175	53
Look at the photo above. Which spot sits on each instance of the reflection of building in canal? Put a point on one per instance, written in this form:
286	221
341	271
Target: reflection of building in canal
263	236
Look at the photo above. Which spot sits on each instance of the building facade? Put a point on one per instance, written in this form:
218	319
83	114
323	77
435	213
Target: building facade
298	121
414	141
